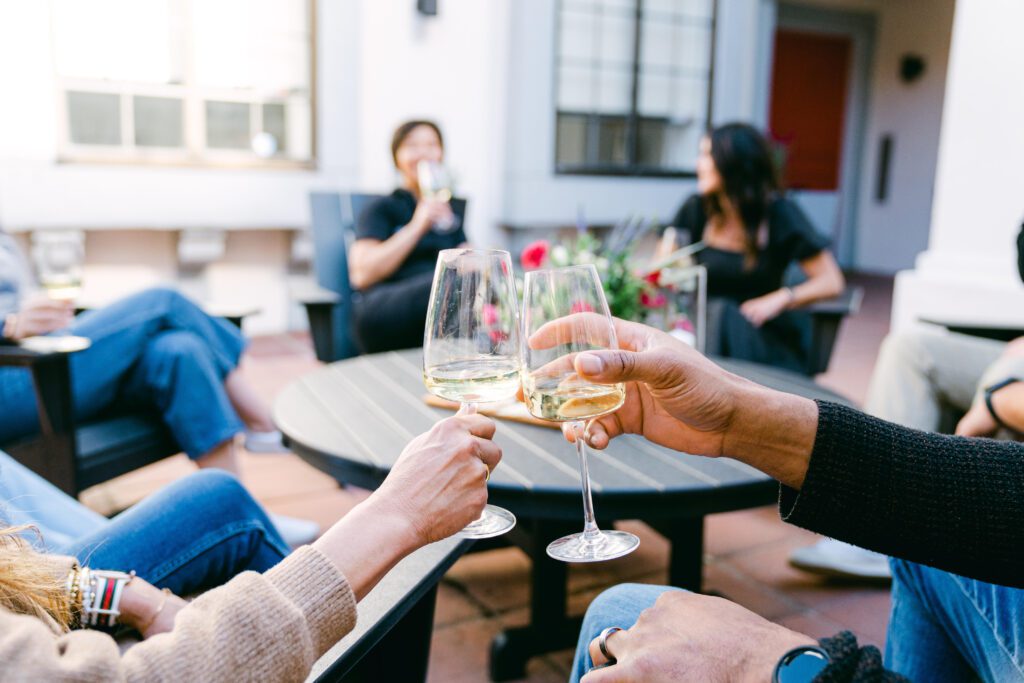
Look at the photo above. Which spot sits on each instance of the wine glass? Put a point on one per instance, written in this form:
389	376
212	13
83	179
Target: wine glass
565	313
471	343
436	183
58	260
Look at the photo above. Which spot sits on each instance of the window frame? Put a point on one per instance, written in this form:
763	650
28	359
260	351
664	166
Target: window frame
194	153
632	168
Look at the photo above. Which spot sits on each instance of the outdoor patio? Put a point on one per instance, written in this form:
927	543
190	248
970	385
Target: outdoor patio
487	592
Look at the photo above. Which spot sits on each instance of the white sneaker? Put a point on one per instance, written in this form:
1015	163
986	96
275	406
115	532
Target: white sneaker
265	442
835	558
295	531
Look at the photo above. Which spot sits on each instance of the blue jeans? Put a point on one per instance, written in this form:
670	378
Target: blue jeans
618	606
944	627
190	536
154	349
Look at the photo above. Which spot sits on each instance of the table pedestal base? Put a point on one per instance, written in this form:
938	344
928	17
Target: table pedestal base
550	626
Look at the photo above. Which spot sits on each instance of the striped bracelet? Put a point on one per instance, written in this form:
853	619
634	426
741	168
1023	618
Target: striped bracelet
101	592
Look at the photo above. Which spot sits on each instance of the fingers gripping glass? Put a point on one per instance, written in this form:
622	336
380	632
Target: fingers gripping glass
564	314
471	343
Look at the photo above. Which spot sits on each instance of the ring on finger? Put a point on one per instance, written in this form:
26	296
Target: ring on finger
602	643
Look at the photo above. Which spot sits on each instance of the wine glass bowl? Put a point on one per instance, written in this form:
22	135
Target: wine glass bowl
565	313
471	349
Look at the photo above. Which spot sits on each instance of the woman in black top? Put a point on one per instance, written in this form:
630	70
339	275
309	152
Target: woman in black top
398	237
952	508
752	234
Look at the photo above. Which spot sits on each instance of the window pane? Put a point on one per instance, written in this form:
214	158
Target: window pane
158	122
681	144
655	97
576	36
617	34
94	118
614	91
611	142
227	125
650	142
571	140
275	123
657	42
92	39
261	44
575	89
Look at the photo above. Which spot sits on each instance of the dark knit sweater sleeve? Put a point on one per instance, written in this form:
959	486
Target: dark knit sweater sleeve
853	664
948	502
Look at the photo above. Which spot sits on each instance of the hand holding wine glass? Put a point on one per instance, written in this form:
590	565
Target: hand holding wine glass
435	185
566	314
471	343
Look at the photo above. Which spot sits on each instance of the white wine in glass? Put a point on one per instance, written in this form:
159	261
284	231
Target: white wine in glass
471	343
564	314
436	183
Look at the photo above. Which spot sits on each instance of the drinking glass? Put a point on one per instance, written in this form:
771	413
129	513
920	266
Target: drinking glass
564	314
471	343
58	260
436	183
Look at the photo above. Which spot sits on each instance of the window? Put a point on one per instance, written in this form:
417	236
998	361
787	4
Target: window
218	82
633	84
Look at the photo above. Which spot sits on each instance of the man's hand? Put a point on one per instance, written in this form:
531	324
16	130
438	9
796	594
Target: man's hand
1008	403
40	315
691	637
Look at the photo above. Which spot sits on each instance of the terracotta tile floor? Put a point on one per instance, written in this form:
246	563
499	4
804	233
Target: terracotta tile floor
485	592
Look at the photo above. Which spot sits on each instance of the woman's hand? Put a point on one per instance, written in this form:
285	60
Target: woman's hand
40	315
141	608
439	483
768	307
431	212
691	637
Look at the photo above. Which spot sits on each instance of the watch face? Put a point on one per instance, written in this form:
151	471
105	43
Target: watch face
802	666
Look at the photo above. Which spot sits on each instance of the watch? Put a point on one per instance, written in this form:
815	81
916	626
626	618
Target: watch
801	665
989	391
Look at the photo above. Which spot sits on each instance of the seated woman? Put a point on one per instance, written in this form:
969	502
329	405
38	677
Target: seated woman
155	349
752	233
193	535
271	626
391	263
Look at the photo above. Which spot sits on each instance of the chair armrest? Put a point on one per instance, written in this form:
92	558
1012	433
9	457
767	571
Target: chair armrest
314	295
847	303
13	354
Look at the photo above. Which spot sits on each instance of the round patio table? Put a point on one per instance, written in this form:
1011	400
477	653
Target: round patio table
351	419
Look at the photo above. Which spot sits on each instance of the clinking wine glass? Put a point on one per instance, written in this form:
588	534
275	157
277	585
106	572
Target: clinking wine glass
471	343
565	313
58	258
436	183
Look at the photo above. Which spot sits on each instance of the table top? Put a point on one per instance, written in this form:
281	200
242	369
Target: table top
352	419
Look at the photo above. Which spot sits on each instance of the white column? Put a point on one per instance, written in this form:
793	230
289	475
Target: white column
969	270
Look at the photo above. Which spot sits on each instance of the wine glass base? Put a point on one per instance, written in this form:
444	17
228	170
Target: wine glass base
494	521
603	545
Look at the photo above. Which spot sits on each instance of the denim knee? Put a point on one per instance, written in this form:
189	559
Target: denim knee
179	344
223	494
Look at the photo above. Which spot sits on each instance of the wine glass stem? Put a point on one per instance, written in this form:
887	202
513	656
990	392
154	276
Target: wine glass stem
590	530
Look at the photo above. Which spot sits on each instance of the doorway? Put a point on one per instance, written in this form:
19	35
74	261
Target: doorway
817	113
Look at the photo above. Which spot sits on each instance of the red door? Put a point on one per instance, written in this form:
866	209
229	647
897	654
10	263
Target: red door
808	104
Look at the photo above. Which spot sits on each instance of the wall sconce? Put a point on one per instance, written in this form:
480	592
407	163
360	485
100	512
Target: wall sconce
911	67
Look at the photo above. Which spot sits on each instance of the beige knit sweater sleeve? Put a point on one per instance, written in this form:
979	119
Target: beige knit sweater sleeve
269	627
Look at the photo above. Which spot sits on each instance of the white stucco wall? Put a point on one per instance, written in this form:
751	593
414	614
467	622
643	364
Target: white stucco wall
969	269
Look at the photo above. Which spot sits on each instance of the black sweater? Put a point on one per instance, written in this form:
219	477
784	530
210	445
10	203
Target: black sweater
945	501
949	502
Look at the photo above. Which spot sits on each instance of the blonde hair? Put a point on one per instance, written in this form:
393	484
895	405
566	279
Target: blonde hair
29	581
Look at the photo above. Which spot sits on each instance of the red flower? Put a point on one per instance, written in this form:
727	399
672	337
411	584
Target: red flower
685	324
653	301
535	254
581	307
490	314
653	277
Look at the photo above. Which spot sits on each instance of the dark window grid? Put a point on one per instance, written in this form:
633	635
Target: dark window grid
632	167
645	67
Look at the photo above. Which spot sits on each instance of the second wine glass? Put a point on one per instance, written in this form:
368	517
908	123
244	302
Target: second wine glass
566	313
471	343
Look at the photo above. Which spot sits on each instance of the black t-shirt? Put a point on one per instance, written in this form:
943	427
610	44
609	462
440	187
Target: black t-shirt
791	237
387	215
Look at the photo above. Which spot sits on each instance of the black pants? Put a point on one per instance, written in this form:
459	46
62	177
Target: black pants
392	315
782	342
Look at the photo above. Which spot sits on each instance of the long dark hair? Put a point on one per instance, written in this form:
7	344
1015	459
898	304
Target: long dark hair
402	132
744	163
